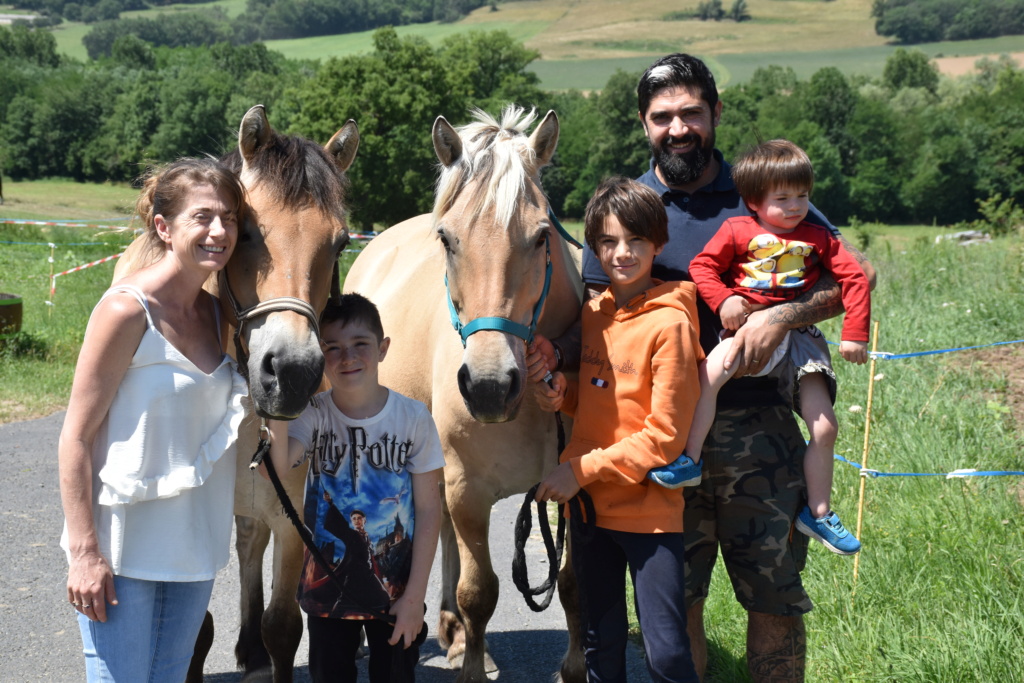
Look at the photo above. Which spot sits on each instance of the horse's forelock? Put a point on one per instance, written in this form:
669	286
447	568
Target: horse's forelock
495	154
297	172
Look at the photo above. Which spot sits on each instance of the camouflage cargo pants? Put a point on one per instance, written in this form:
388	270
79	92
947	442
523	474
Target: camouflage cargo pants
753	489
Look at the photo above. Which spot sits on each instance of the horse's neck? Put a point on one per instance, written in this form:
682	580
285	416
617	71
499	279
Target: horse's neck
566	294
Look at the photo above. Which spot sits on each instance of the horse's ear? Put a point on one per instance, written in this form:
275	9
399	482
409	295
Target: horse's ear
545	139
342	147
254	132
447	143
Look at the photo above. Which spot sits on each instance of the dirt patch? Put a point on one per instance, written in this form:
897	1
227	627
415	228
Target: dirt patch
1008	361
960	66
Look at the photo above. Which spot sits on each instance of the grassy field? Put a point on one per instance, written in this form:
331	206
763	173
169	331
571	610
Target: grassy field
582	44
941	580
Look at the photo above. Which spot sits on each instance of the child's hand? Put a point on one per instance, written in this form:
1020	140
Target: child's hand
550	398
734	312
560	485
854	351
540	358
408	613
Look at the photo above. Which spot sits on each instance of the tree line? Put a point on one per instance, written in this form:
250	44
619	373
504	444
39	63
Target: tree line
929	21
909	147
261	20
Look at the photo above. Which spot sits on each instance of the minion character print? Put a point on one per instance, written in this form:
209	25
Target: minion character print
776	263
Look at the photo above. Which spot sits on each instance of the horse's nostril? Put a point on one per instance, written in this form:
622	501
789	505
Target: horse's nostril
268	365
514	382
463	379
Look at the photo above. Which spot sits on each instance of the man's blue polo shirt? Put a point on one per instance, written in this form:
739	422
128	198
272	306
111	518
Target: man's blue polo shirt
693	219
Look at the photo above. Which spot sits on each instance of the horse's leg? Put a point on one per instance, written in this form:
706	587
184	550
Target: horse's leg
251	541
573	669
282	621
204	641
477	591
450	633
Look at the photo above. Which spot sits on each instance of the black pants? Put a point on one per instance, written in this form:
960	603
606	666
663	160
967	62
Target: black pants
332	651
655	563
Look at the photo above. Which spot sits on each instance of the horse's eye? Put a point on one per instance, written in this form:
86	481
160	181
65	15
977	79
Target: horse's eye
444	241
541	241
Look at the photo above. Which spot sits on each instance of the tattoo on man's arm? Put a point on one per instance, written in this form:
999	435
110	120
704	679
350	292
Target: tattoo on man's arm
822	301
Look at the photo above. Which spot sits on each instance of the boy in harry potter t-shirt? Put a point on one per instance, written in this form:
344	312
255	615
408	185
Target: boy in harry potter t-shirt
372	502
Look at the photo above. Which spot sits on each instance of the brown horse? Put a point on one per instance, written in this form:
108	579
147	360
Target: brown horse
275	285
491	240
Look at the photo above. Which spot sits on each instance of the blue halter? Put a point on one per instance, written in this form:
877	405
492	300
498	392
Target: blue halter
498	324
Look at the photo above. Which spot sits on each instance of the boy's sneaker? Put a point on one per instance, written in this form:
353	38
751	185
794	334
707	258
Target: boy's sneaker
829	530
682	472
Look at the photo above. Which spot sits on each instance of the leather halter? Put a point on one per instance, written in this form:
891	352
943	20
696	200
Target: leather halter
242	316
499	324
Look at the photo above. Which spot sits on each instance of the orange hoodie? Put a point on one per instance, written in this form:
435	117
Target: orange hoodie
633	404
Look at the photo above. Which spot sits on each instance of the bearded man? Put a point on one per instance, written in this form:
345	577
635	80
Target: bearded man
753	485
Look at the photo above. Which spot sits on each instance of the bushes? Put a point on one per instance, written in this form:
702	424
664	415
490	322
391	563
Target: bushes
928	21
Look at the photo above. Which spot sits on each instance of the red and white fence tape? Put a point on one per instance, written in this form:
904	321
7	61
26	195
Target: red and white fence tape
53	278
60	224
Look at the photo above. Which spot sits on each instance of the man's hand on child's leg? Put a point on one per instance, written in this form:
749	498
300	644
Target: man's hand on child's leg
754	343
560	485
408	614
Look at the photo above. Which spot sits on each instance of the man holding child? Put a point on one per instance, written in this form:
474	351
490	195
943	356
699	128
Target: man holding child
753	488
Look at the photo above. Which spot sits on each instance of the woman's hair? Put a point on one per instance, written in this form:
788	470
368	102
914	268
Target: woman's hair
769	166
637	207
165	191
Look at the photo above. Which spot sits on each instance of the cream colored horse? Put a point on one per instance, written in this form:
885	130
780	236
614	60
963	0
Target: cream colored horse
284	262
491	236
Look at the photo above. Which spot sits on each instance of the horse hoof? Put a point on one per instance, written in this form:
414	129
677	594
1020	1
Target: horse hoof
455	659
262	675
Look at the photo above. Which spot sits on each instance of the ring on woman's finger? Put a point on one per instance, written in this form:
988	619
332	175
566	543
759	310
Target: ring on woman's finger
86	606
74	604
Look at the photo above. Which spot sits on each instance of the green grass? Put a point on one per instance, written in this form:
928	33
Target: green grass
36	367
938	597
325	47
581	46
738	68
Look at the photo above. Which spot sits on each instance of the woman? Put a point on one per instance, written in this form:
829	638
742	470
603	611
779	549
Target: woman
146	453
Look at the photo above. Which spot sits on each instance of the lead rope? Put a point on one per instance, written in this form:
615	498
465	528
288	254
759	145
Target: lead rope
260	456
582	516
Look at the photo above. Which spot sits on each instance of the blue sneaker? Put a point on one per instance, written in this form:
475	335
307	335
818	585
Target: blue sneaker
682	472
829	530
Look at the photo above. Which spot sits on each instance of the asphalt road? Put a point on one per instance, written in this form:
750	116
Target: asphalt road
39	637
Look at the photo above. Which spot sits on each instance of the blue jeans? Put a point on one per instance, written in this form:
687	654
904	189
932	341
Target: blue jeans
655	564
149	635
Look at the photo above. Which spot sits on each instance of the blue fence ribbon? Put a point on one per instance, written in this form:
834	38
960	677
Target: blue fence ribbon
885	355
955	474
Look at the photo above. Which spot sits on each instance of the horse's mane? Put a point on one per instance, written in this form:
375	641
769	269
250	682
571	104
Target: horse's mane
297	171
497	156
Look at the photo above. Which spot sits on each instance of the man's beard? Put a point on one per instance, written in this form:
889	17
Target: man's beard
683	169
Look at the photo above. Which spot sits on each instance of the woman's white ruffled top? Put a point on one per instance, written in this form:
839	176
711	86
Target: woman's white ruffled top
164	464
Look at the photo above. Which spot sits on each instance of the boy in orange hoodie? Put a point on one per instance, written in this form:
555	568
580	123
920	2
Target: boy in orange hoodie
632	405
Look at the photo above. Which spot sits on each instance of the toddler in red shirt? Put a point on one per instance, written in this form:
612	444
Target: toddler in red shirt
770	257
